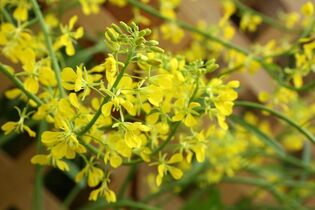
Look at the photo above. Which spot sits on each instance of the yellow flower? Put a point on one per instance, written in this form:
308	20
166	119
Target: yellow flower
110	69
91	6
166	166
290	19
103	191
119	3
194	144
133	136
187	114
79	80
51	20
69	36
173	32
220	100
62	143
21	11
49	159
228	10
36	72
121	98
250	22
94	175
14	41
18	126
308	9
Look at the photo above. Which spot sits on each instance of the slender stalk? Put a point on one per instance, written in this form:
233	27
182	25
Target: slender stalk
272	143
37	202
282	198
19	84
128	179
169	138
231	70
71	196
107	98
6	15
301	129
49	45
121	204
279	151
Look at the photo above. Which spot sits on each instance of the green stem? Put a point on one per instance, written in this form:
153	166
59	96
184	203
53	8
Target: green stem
49	45
7	16
129	177
107	98
121	204
301	129
19	84
281	154
282	198
71	196
37	201
169	138
231	70
272	143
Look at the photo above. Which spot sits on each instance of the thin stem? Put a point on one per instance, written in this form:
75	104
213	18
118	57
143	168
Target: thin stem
282	198
281	154
231	70
49	45
107	98
19	84
71	196
169	138
128	179
301	129
7	16
123	203
37	202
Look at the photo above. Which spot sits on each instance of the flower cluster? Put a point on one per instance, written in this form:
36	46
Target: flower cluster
127	108
137	103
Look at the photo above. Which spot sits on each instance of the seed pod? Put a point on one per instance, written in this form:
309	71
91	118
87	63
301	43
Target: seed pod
156	49
116	28
211	65
140	40
124	26
111	34
154	62
145	32
152	43
134	26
